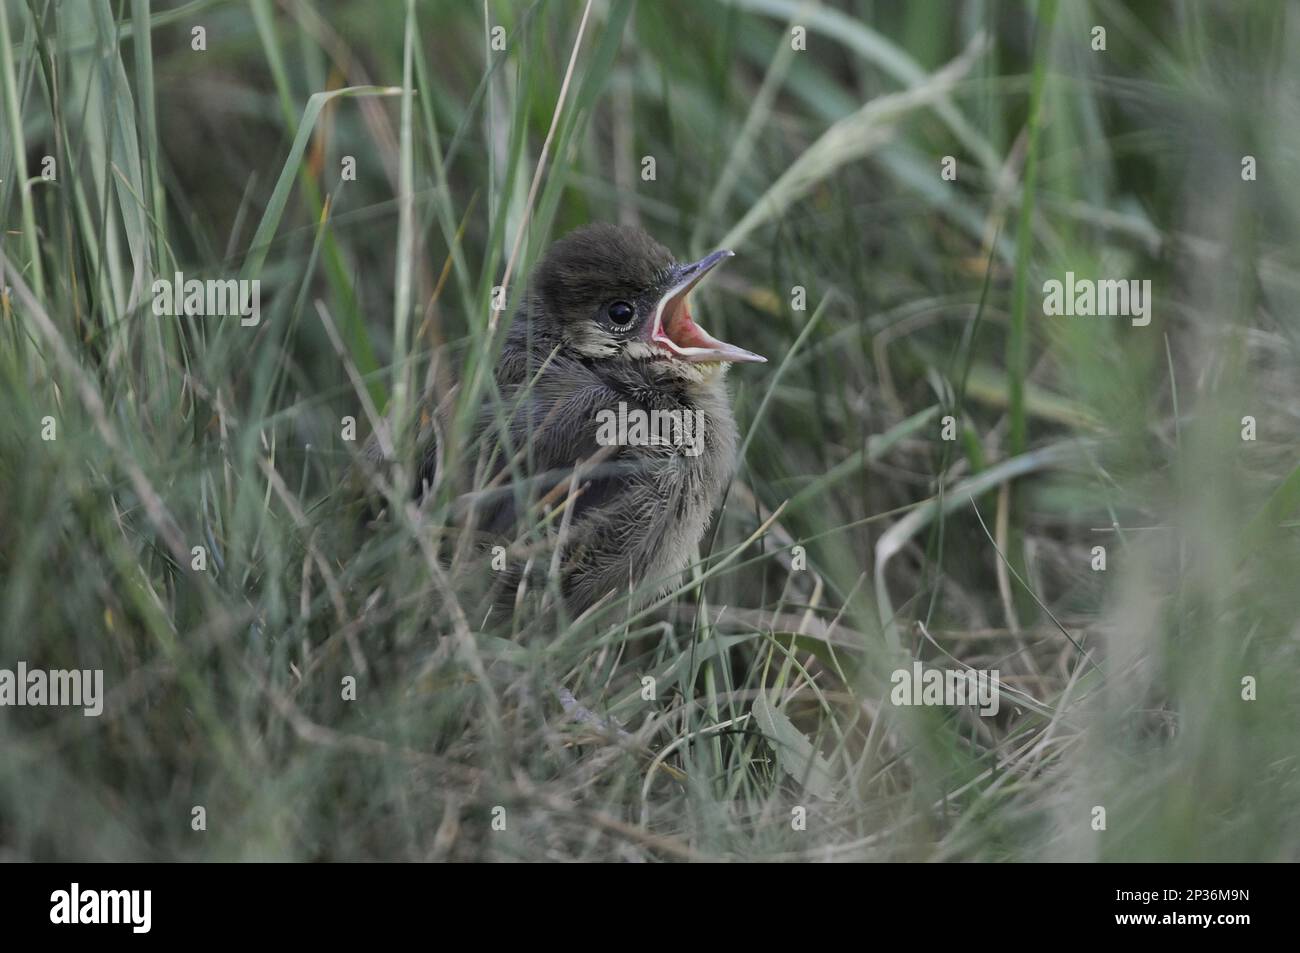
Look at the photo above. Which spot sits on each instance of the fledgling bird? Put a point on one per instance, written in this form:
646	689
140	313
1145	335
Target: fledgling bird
605	329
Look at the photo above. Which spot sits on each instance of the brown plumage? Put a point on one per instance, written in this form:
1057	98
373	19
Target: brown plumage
605	329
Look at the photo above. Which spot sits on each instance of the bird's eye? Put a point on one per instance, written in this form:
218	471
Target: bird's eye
621	313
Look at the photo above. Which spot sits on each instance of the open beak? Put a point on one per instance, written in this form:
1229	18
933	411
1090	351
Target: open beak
675	330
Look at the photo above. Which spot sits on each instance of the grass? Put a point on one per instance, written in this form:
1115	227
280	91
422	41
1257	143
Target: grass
747	714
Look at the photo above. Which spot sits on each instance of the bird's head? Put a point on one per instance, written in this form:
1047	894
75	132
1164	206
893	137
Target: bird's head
613	293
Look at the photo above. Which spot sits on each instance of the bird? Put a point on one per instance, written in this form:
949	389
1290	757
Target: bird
605	332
